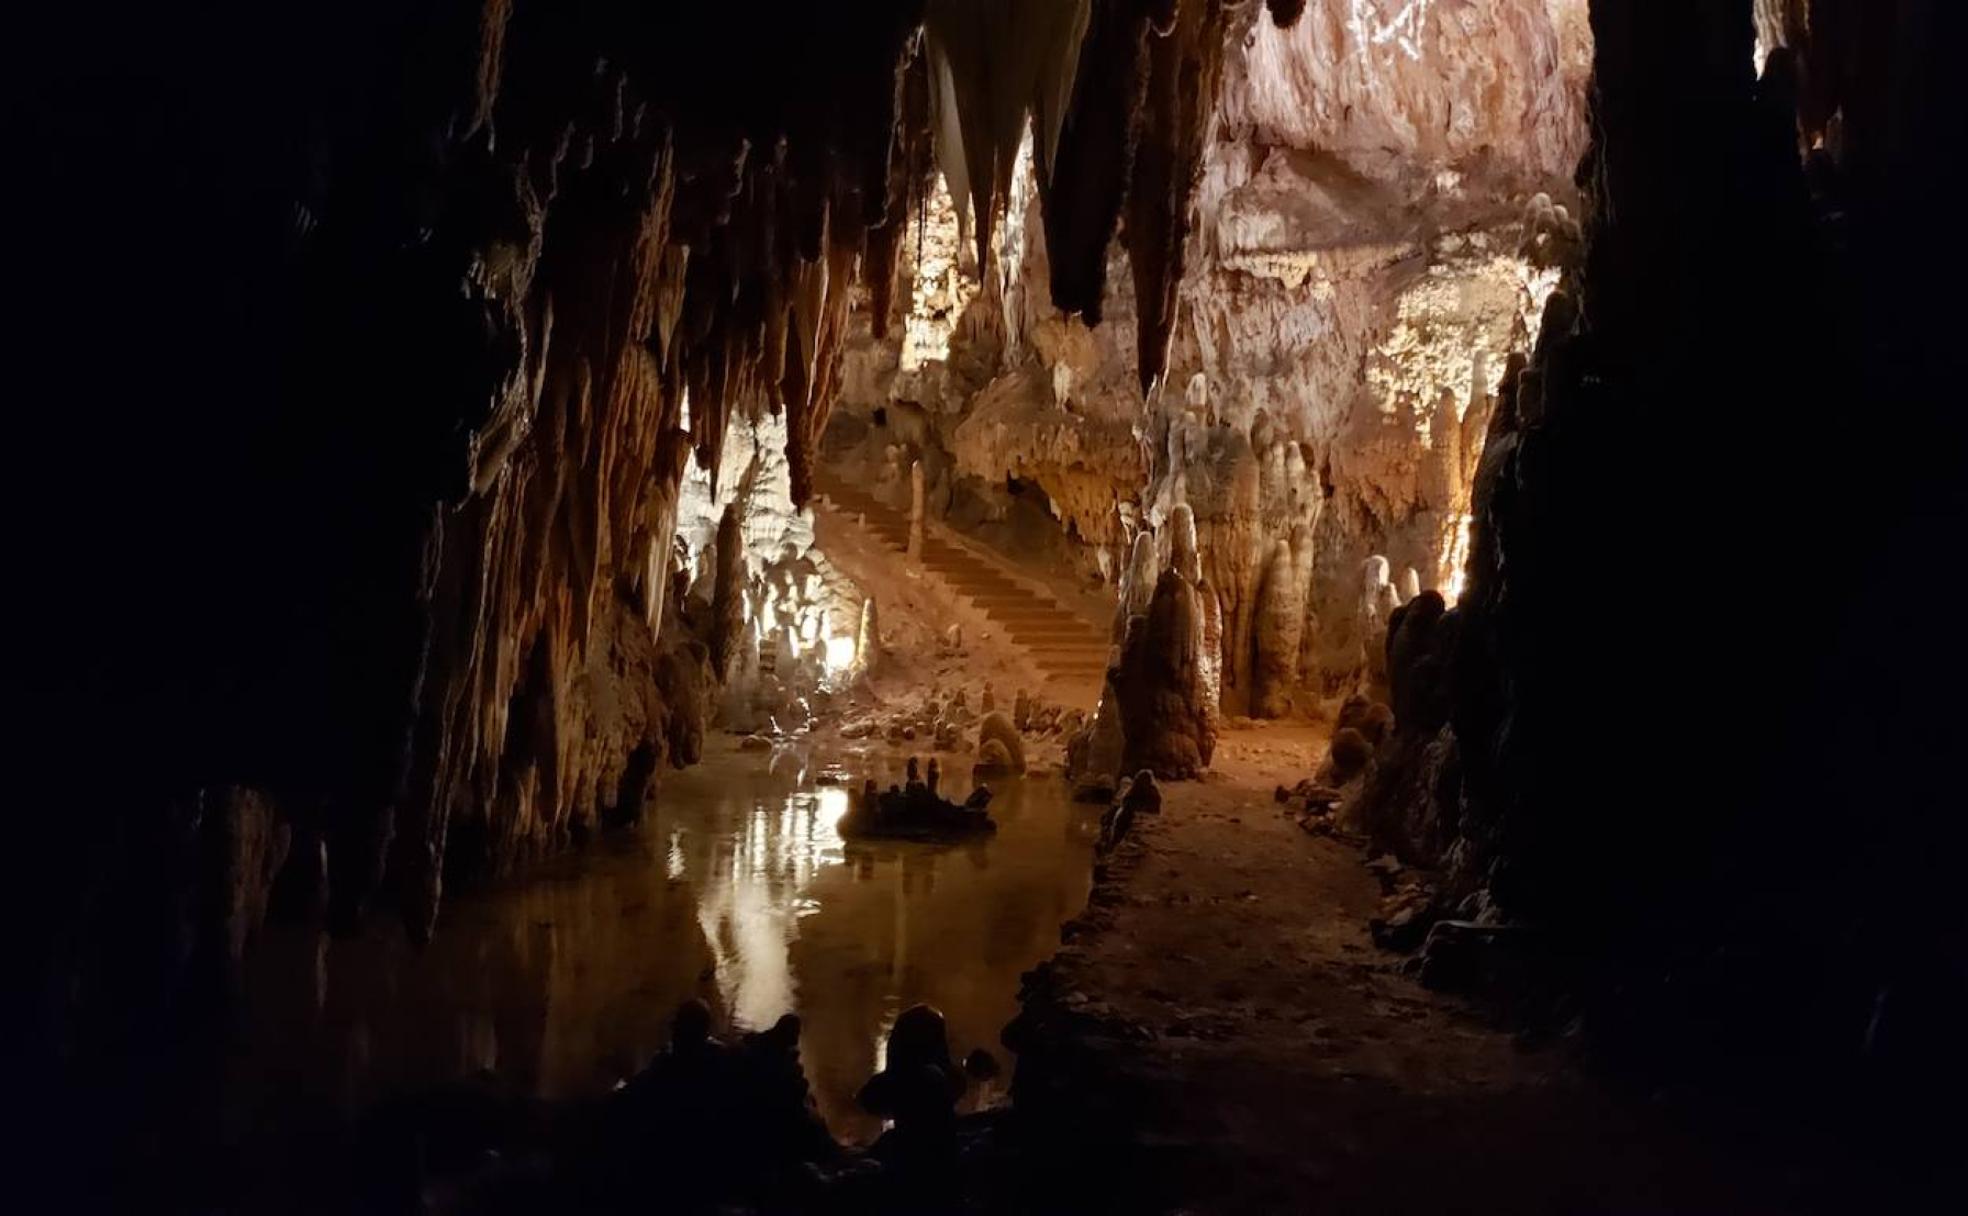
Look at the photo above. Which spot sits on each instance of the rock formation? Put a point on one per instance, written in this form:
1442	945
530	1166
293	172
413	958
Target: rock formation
1160	687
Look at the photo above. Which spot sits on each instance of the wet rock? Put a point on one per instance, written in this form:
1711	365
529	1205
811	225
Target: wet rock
1021	711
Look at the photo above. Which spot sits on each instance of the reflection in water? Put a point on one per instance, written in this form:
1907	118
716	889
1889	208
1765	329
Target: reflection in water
741	892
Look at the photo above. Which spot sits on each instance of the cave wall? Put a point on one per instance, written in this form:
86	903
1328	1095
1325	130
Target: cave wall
399	439
1712	794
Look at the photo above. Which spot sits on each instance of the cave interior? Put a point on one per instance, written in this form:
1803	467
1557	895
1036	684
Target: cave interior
1291	470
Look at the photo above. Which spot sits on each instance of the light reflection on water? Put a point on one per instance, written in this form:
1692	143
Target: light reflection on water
741	891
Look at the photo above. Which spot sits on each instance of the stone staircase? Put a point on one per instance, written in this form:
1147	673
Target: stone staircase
1069	651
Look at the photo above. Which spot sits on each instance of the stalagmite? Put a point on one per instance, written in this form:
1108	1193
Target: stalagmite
1160	687
1184	558
1000	752
867	638
728	632
1137	584
1280	625
915	510
1095	758
1209	664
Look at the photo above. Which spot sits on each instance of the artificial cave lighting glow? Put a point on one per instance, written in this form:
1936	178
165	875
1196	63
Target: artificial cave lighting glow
940	291
1371	23
839	653
1457	560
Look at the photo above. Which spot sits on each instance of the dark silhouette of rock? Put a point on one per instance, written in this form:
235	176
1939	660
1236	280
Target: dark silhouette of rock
917	811
918	1090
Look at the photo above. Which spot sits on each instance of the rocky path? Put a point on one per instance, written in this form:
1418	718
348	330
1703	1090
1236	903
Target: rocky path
1222	1011
1069	651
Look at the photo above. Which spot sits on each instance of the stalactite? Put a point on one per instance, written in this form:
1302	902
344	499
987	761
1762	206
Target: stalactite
911	162
997	65
1083	196
1169	133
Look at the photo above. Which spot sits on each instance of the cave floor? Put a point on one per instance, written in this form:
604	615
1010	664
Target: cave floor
1280	1062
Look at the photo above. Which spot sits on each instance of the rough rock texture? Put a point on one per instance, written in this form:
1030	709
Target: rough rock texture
1383	235
1742	248
441	279
1382	202
1159	685
1278	631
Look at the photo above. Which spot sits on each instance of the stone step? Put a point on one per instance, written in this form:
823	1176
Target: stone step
1066	650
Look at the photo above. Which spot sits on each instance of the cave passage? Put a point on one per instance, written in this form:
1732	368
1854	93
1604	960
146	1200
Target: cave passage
916	606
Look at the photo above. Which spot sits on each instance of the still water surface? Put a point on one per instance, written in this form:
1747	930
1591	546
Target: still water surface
739	891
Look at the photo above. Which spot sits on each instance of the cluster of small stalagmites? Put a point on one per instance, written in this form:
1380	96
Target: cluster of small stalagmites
916	809
945	721
940	719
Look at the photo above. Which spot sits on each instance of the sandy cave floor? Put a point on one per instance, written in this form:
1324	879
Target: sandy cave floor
1281	1062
